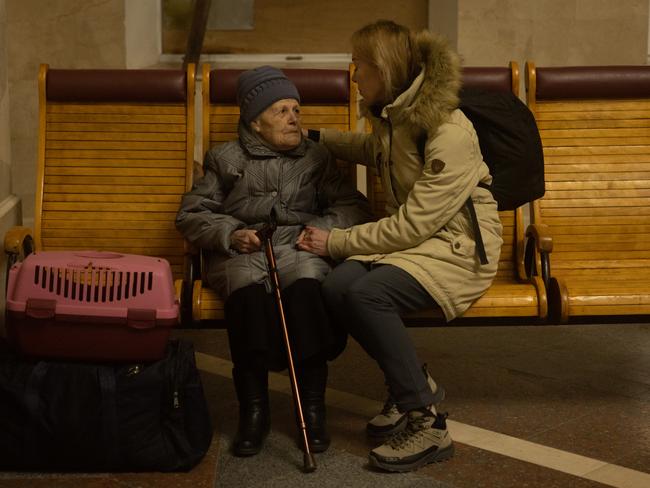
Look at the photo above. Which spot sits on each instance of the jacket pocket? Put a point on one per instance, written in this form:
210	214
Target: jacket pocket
462	245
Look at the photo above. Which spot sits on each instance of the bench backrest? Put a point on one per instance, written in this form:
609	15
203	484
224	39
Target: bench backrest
595	128
115	156
328	99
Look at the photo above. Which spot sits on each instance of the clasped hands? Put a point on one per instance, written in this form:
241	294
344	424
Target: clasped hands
311	239
314	240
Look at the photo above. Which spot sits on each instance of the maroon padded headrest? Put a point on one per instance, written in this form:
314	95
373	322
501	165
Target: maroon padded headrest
115	85
489	79
314	85
593	82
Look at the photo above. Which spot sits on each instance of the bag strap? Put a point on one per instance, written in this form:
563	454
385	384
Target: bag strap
32	401
180	353
107	384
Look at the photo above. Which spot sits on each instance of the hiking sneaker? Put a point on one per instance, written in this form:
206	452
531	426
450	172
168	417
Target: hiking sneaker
424	440
390	420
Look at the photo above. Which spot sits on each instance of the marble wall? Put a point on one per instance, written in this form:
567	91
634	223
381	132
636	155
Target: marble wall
5	144
553	32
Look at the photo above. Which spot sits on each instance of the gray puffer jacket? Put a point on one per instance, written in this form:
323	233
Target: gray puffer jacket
243	180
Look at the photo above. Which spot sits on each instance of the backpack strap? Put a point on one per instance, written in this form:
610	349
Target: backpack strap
478	238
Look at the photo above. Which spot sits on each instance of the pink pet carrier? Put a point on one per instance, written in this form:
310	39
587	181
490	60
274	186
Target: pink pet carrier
89	305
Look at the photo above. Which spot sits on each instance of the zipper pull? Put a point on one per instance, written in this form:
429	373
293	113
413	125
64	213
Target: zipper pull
176	403
133	370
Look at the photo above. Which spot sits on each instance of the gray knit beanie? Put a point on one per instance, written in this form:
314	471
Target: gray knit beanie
259	88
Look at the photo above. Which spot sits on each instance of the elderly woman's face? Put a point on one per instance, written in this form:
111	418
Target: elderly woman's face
279	125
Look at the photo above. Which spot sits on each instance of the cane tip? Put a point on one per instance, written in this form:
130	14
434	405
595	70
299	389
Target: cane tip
309	464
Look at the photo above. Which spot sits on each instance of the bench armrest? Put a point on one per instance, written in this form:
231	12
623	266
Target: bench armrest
196	300
19	241
540	234
18	244
539	246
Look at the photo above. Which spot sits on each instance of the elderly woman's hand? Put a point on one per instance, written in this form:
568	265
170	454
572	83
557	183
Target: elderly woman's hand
313	240
245	241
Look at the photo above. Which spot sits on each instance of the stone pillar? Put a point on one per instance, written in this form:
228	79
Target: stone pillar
443	18
9	203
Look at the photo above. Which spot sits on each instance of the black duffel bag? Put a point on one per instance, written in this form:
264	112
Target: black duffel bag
63	416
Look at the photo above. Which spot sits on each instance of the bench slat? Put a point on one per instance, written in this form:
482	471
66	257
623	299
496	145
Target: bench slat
610	106
100	189
115	108
96	136
608	123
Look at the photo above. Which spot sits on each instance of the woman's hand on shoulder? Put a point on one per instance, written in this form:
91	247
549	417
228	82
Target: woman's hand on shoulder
245	241
314	240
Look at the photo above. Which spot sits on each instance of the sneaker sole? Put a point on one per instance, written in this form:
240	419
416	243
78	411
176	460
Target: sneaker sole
438	397
434	457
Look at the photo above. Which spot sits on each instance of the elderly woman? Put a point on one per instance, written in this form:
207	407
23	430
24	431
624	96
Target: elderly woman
271	166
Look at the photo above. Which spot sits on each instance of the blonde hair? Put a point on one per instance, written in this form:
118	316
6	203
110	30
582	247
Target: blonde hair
390	47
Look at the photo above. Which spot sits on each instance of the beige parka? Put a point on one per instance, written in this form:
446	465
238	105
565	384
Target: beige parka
428	231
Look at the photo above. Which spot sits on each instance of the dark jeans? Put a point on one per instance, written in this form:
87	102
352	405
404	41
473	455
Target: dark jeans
368	301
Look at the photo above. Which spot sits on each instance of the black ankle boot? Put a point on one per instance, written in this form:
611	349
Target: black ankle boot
313	381
252	389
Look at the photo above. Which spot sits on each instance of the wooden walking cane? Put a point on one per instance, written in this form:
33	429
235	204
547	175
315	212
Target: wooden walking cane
265	234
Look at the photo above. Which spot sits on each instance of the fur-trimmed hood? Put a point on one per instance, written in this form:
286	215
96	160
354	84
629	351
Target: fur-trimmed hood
433	95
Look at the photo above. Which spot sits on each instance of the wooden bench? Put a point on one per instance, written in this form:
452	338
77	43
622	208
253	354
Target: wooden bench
513	294
115	155
595	128
326	101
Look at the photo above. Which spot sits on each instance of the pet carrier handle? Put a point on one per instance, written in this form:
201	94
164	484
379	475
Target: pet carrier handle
40	308
141	318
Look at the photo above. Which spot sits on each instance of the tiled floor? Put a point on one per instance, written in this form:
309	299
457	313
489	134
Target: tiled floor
582	390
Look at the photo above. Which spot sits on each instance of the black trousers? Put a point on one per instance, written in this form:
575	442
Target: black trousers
255	333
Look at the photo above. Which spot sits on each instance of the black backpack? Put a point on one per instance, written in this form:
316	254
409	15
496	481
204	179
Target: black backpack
510	145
